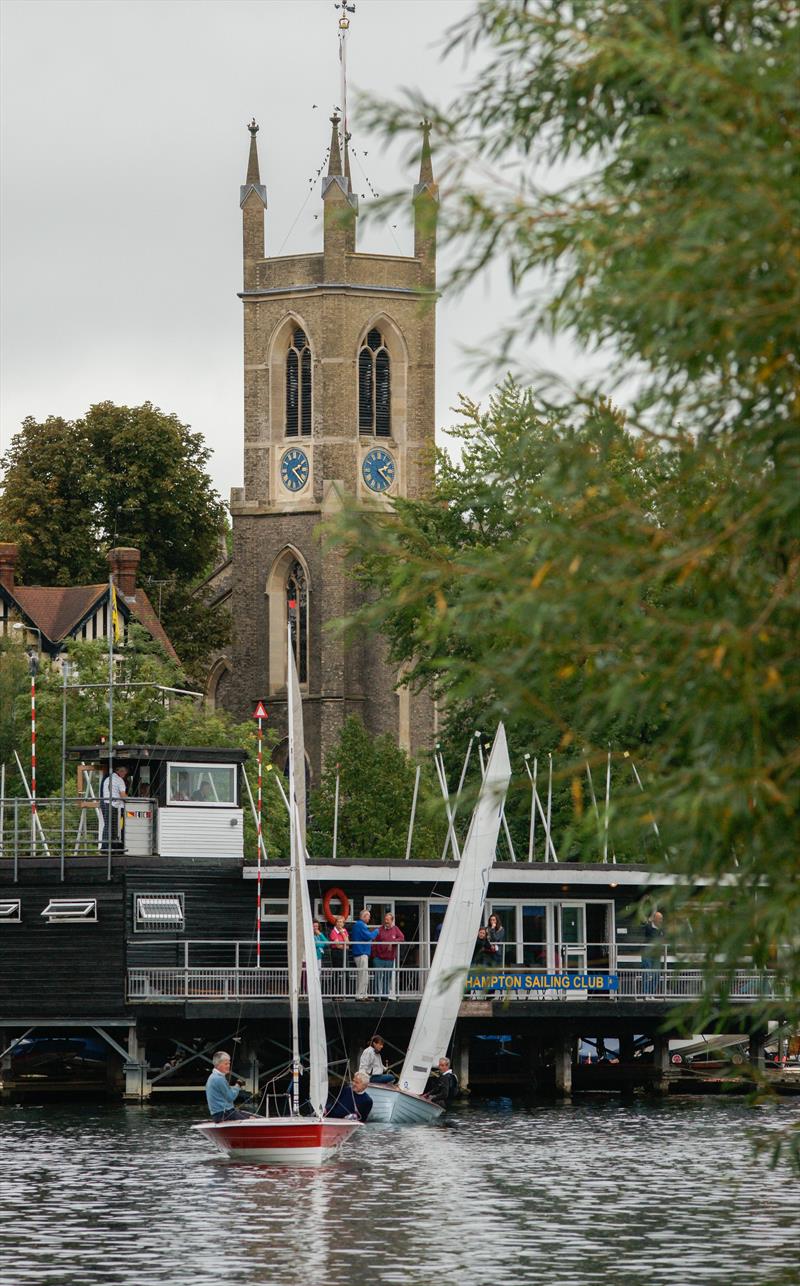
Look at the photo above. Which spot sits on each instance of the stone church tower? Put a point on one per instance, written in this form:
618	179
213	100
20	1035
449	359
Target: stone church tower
339	362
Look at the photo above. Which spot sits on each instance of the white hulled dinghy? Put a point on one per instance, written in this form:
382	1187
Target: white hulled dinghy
404	1104
293	1140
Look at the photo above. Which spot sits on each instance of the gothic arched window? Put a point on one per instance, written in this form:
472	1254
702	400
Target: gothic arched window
374	387
298	386
297	612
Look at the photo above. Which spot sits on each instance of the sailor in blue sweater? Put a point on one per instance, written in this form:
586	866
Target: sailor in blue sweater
351	1099
361	939
221	1096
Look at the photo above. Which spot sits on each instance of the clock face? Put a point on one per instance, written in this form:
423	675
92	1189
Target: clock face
294	469
378	469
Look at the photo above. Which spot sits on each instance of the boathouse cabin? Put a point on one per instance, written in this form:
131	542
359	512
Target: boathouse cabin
183	801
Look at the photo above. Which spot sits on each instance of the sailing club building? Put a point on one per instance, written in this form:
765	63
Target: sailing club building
124	965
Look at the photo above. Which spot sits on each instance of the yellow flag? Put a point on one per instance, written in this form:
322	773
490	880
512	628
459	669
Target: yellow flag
115	614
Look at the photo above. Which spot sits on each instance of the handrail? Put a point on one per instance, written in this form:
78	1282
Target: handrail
164	984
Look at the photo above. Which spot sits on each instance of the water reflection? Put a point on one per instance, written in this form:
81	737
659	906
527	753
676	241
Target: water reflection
568	1196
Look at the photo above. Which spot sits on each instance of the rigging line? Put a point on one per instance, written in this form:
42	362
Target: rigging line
314	176
354	153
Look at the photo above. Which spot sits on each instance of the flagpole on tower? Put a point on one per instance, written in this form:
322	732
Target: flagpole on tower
344	27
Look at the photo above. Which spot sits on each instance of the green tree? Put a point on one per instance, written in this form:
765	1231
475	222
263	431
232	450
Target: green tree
376	788
675	246
118	476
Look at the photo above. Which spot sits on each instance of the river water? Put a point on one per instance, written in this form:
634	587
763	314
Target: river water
635	1195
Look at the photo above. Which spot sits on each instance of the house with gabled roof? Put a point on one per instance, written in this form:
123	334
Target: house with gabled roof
61	612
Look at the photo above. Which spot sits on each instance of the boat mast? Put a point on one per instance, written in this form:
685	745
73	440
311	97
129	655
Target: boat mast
294	891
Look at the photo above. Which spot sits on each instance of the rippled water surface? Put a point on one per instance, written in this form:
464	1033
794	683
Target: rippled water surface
556	1196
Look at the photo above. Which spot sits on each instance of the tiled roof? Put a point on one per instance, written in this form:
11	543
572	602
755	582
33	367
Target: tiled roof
57	609
141	607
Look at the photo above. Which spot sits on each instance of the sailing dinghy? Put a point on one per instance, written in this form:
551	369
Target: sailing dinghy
293	1140
404	1104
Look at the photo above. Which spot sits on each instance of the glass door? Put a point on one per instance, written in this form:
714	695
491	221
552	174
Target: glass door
572	936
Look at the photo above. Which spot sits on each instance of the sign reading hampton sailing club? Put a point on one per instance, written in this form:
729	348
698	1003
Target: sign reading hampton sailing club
491	980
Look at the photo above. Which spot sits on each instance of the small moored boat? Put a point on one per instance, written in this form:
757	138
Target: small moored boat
293	1140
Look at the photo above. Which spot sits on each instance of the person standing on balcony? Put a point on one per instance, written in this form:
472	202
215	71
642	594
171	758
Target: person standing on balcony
651	956
497	936
361	940
338	942
384	957
113	793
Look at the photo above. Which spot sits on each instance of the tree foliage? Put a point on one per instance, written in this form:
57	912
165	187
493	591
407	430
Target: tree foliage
376	788
636	583
118	476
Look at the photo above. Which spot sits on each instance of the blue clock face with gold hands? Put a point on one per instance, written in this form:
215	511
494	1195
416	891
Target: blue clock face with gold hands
378	469
294	469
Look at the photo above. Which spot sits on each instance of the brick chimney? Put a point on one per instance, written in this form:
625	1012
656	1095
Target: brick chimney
124	563
8	560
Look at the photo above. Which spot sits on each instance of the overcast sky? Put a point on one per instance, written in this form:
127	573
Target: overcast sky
124	144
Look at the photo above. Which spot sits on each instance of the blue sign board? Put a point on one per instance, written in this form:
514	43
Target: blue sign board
507	980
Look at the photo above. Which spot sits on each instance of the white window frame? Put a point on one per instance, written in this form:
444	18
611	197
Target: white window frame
199	803
271	915
164	924
71	911
11	911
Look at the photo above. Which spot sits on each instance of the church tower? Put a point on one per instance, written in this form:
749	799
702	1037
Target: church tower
339	362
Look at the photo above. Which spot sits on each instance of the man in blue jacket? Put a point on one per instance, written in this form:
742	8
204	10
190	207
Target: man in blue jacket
221	1096
361	940
351	1099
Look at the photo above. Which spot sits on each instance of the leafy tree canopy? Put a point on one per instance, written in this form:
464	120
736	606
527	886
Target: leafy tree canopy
118	476
635	583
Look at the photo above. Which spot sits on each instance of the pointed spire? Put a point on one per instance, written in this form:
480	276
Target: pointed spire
335	162
253	175
426	182
253	181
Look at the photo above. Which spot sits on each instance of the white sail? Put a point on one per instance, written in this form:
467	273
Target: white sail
301	928
444	989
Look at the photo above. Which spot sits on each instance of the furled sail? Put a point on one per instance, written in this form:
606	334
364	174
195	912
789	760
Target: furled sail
301	928
444	989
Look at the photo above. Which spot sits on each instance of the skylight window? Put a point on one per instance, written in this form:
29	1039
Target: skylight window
11	911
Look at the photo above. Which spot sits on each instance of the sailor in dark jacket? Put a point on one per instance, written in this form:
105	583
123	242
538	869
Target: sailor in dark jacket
442	1089
351	1099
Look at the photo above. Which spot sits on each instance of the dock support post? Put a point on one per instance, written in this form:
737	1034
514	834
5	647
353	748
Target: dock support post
564	1044
137	1081
755	1049
660	1064
461	1060
626	1048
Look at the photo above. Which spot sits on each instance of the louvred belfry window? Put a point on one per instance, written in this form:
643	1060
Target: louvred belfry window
298	386
297	607
374	387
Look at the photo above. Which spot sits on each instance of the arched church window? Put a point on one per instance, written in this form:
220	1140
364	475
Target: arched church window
297	612
298	386
374	387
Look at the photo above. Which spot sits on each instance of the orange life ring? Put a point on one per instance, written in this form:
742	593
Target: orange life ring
342	897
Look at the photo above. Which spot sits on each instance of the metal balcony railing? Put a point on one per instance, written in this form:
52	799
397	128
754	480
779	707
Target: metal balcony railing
214	970
63	829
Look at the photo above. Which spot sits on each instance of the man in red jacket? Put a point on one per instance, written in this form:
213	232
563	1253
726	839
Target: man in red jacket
384	957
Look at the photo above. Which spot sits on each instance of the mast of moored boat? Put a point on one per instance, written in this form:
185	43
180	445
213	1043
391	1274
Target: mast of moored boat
294	889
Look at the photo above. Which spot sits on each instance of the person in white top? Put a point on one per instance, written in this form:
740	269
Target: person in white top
115	788
372	1065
